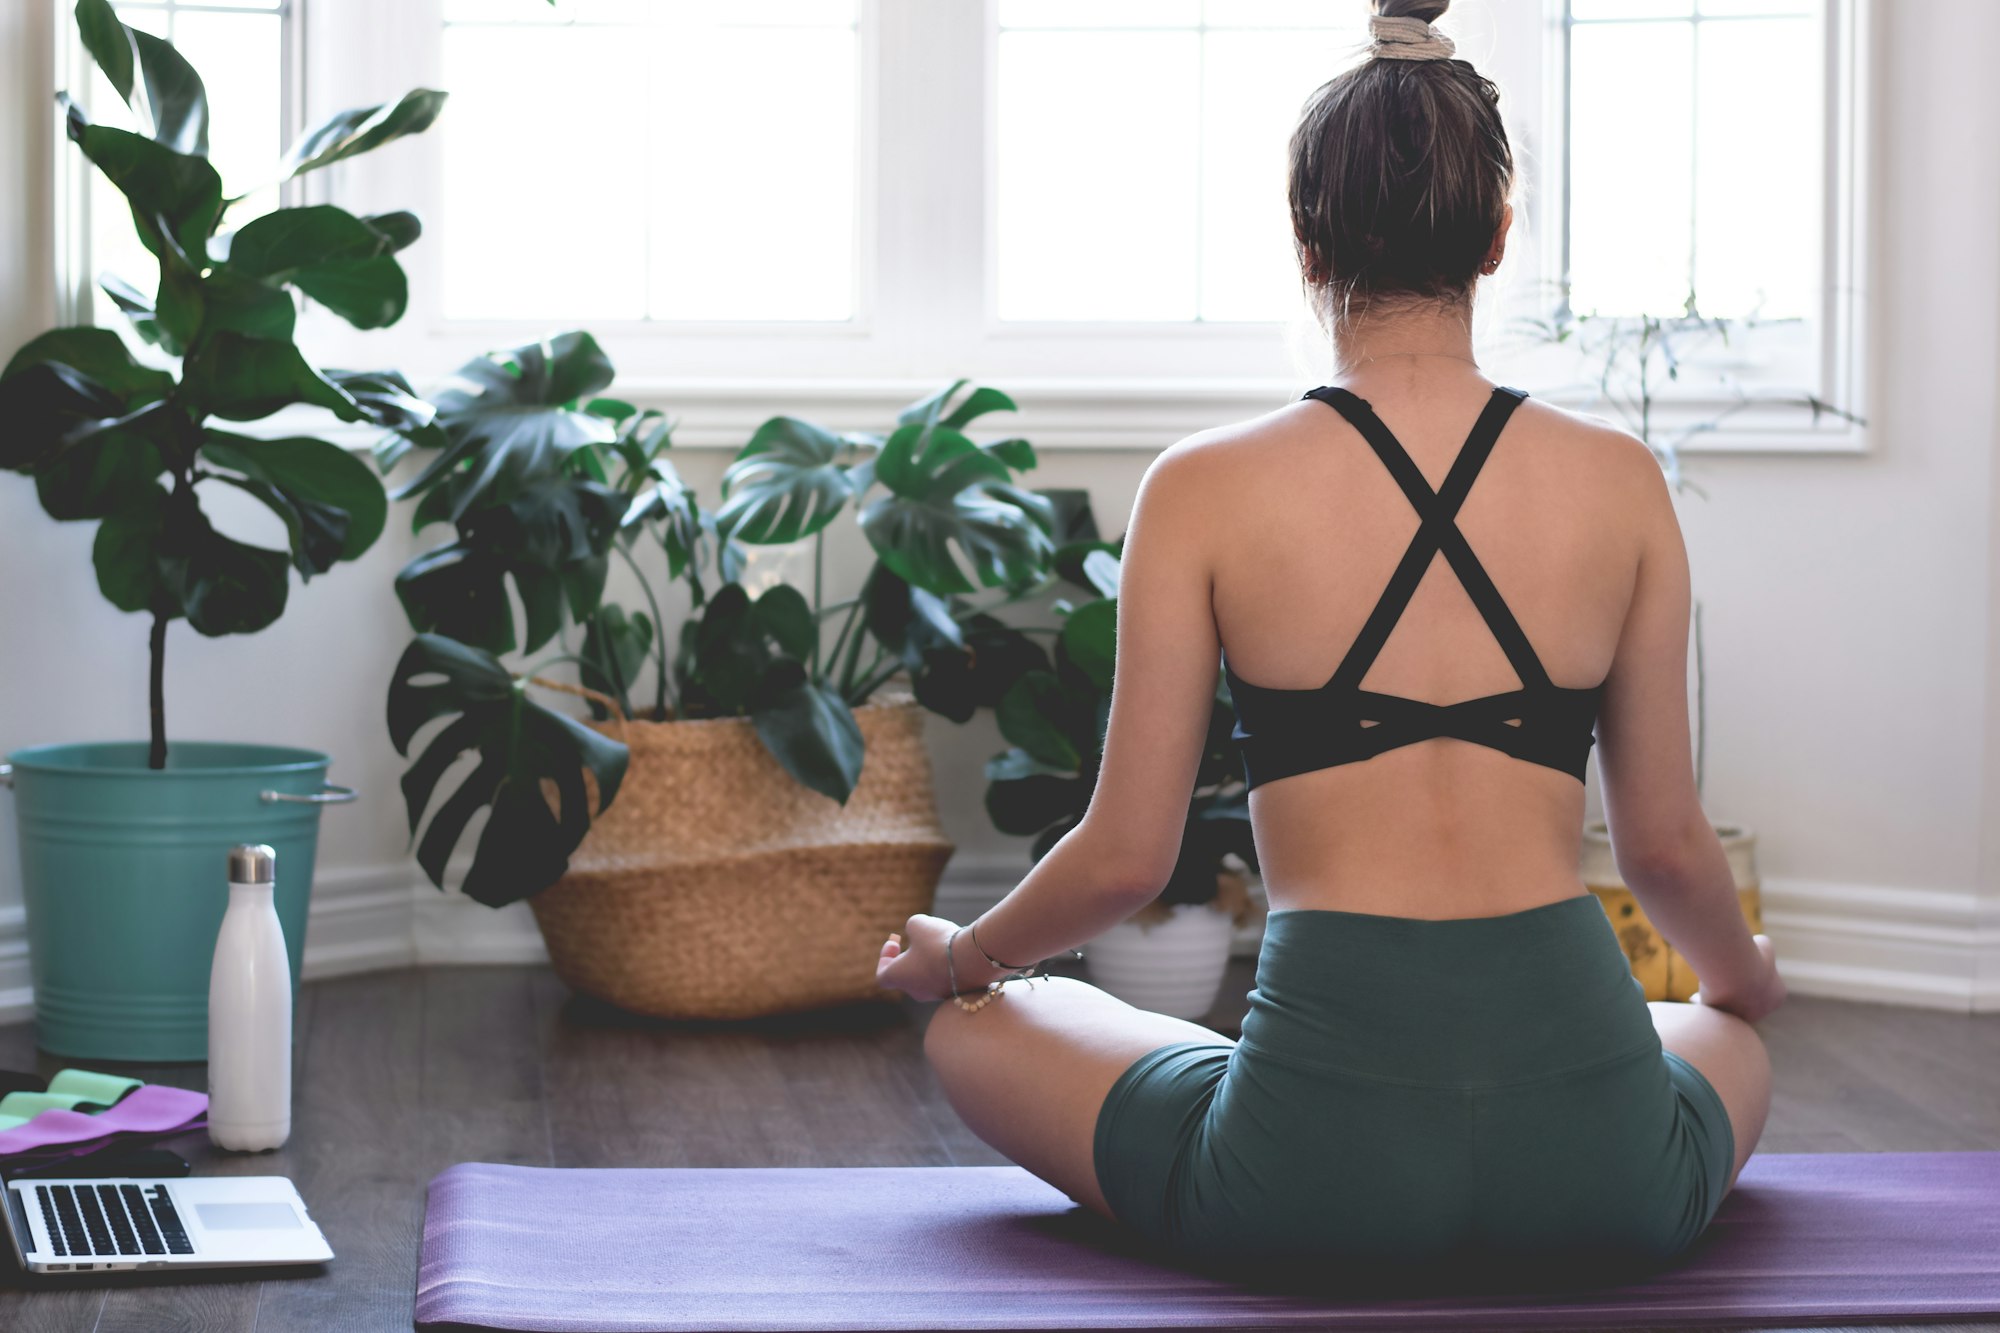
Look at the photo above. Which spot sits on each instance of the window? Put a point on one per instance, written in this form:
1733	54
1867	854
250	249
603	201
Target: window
1696	141
1141	154
1709	164
689	161
240	49
825	207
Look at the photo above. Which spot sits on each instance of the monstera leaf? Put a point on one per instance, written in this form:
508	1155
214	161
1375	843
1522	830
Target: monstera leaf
508	418
550	539
785	484
1025	796
525	846
931	518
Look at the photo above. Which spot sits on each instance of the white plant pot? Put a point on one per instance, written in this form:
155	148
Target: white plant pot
1174	967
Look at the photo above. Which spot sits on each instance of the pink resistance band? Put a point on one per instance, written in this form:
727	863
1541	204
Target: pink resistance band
148	1111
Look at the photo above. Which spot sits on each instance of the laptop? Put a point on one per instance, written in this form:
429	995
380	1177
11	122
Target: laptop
80	1226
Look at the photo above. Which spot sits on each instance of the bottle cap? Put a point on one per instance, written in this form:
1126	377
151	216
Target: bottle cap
252	863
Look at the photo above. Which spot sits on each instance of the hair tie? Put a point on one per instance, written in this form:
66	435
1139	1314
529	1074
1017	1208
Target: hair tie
1400	37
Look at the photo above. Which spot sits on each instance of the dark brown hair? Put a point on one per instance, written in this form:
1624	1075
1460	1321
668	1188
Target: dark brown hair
1400	170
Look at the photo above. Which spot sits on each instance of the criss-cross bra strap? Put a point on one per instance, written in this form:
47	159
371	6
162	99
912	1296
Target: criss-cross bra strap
1437	531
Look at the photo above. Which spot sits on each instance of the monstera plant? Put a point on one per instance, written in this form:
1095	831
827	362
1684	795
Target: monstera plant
1053	718
547	483
121	841
132	443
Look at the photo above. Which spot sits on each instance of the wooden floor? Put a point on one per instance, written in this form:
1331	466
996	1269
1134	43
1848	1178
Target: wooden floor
401	1074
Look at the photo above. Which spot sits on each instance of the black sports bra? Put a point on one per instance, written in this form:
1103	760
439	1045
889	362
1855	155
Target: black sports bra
1283	732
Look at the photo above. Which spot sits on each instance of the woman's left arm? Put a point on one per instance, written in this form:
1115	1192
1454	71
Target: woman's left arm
1162	697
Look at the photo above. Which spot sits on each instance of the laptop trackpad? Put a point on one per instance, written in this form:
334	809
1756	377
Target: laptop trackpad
248	1216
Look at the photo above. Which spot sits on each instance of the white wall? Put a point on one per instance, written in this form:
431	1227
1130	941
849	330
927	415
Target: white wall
1854	653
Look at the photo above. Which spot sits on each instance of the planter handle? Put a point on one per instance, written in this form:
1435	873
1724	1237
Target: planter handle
333	795
7	776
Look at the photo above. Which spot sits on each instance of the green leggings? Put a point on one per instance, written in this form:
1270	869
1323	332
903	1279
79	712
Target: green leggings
1407	1090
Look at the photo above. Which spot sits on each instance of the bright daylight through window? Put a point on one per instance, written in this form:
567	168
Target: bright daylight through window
697	160
1696	130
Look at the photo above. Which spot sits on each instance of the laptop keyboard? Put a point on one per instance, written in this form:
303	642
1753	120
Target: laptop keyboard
105	1221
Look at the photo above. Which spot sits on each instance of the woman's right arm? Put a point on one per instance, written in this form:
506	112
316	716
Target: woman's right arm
1667	851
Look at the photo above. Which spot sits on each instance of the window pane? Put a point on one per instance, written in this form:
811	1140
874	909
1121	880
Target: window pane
1757	195
1283	14
240	58
752	176
1631	167
1630	9
1757	6
1254	86
541	203
1099	200
1099	13
681	159
1142	172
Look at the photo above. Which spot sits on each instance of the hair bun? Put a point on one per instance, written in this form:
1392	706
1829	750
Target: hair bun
1428	11
1408	36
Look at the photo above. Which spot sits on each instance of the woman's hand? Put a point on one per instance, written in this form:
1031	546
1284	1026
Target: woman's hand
914	962
1766	994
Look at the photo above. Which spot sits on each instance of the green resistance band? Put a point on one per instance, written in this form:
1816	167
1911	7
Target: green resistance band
68	1090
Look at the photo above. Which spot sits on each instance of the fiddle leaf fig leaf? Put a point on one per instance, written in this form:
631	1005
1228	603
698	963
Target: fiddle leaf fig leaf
329	254
523	749
361	129
243	378
167	93
332	503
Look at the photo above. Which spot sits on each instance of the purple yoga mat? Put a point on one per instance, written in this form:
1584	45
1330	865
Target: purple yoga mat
1802	1238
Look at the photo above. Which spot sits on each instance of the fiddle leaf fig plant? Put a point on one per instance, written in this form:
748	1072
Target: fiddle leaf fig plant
547	483
136	446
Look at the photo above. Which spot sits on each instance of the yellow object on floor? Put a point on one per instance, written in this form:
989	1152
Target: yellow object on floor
1661	970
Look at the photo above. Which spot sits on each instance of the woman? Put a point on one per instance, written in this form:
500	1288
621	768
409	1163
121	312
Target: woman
1446	1051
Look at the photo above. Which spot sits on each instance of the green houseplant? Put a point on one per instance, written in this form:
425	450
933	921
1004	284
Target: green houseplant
1169	956
121	922
774	698
1629	361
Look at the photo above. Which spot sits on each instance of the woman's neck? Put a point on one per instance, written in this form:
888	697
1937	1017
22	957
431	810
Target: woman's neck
1408	337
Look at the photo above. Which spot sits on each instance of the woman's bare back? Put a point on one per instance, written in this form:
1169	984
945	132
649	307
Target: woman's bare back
1442	827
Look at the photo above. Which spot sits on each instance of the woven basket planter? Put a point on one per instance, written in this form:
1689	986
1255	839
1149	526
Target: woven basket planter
716	886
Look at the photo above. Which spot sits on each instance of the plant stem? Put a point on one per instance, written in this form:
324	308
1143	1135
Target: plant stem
659	654
840	640
156	753
878	676
819	562
853	653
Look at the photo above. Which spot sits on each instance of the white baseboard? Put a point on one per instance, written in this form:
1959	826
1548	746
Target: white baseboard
1931	948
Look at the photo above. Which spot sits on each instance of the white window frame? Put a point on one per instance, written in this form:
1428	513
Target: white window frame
926	259
1845	35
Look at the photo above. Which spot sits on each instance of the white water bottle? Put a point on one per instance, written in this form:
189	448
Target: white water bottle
250	1013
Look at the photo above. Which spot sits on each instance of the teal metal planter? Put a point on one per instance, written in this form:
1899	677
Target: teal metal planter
124	879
